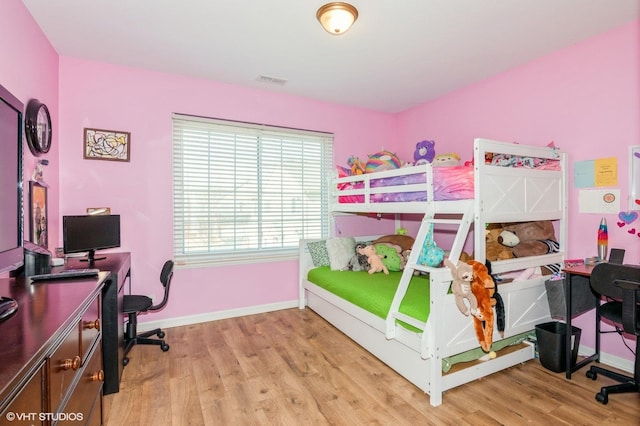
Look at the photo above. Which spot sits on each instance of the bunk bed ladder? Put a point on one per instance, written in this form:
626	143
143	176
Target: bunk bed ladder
439	276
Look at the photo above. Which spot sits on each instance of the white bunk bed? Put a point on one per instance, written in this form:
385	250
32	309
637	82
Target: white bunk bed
501	194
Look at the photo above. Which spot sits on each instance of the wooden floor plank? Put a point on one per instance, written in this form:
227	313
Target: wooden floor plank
291	367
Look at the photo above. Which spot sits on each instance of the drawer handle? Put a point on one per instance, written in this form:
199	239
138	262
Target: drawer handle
98	377
71	364
93	324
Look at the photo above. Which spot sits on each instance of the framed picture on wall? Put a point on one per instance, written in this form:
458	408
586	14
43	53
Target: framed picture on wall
106	145
38	214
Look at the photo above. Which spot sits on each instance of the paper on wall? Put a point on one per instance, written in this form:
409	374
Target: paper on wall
599	201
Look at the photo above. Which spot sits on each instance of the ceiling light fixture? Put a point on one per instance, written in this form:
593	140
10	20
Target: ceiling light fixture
337	17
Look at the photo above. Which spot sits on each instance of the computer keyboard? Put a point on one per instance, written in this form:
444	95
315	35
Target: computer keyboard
66	274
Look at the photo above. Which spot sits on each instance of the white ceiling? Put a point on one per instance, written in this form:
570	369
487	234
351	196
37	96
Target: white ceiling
398	54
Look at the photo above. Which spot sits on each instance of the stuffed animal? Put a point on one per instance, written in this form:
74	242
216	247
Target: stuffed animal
461	288
374	259
531	239
445	160
501	319
356	166
358	262
404	241
483	288
383	160
391	256
431	254
425	152
494	250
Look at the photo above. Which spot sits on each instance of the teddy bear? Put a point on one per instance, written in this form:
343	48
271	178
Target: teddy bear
494	250
461	287
374	259
533	238
483	288
424	153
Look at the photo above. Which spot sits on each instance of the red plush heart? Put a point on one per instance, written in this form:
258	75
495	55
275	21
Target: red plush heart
638	201
632	231
620	224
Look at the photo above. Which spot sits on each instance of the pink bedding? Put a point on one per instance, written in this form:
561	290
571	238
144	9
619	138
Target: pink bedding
450	183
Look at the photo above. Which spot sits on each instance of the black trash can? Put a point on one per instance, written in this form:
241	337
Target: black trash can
551	345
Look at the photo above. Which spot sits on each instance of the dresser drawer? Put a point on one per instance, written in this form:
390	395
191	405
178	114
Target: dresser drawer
29	403
90	326
85	402
63	366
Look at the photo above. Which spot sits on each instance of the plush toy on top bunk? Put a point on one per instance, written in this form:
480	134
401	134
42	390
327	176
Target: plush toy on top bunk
534	238
376	162
381	161
446	160
424	153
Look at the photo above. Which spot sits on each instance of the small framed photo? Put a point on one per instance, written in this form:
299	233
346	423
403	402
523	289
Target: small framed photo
94	211
106	145
38	214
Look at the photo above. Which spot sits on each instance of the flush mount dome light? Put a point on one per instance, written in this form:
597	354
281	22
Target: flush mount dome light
337	17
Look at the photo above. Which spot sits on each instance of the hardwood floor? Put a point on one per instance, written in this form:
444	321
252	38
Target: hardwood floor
291	367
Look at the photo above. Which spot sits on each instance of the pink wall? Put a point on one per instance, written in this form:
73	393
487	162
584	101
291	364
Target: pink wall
585	98
141	102
31	73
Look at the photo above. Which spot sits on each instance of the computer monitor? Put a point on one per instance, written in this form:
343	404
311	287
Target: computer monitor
89	233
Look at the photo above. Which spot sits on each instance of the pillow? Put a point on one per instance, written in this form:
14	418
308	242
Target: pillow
340	250
318	252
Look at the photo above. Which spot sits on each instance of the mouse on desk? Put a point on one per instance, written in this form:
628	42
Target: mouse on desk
8	307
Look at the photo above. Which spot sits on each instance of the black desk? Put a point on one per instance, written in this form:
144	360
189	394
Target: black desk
119	264
571	273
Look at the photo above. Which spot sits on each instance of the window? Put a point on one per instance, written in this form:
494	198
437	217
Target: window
245	192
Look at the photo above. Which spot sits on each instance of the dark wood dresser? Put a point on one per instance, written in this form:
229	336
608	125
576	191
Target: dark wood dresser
51	353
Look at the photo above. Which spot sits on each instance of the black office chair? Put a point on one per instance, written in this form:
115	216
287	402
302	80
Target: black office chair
136	304
620	285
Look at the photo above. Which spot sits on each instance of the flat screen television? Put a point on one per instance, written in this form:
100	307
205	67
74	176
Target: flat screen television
11	208
88	233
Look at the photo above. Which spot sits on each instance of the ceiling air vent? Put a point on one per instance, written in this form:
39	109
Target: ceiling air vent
272	80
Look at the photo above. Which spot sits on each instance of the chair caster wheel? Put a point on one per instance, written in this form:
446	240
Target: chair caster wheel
160	334
603	398
592	375
125	361
164	347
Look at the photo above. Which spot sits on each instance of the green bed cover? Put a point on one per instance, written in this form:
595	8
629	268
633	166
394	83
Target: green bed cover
374	292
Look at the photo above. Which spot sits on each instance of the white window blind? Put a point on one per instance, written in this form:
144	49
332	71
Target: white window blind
245	192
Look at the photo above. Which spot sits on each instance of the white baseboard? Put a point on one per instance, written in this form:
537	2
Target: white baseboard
608	359
214	316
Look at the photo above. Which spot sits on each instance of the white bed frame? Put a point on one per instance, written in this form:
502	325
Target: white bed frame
502	194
